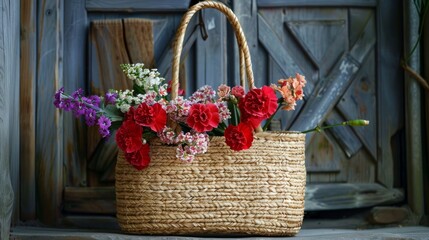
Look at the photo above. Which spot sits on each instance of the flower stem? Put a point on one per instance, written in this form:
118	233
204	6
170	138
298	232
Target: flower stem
355	123
65	96
267	123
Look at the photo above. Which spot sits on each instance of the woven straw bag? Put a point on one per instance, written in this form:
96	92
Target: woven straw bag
259	191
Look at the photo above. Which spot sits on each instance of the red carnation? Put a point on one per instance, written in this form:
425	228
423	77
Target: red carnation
203	117
129	137
257	105
239	137
139	159
153	116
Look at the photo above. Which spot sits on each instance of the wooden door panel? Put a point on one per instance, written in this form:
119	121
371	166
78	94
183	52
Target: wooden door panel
334	45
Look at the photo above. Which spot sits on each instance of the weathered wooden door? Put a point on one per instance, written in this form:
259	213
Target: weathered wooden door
349	53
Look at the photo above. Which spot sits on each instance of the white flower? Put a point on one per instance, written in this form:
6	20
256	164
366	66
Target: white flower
125	108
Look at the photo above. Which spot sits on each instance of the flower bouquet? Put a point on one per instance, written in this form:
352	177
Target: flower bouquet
142	114
202	164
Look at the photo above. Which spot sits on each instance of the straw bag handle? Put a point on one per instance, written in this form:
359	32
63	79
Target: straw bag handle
242	43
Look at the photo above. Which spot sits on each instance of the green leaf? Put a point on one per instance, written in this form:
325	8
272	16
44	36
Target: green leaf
235	115
113	113
138	89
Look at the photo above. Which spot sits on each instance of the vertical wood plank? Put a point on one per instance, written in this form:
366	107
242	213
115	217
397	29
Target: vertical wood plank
9	92
413	116
211	53
75	74
391	113
28	110
426	75
138	34
49	126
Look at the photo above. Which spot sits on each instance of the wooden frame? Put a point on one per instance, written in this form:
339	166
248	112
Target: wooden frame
9	102
42	59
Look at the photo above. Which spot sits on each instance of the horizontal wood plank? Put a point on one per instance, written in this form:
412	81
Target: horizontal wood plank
317	3
107	223
136	6
417	232
90	200
349	196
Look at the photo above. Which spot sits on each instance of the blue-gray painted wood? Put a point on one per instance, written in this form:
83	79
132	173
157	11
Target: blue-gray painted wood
317	3
9	117
49	125
391	113
75	72
275	49
413	123
329	92
211	53
136	6
320	104
344	135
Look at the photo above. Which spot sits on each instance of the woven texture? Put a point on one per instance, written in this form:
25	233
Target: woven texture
259	191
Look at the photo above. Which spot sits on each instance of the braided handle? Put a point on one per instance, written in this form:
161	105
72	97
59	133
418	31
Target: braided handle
180	35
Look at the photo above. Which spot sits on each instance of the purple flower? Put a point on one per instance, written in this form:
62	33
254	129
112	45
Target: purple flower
57	97
104	122
111	97
104	132
93	100
90	117
66	104
79	109
77	94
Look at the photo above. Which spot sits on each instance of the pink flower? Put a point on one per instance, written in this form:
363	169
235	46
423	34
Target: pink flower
223	91
203	117
238	92
291	90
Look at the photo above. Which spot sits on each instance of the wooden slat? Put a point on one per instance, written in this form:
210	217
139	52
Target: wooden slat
27	110
426	75
108	49
348	196
107	223
321	103
324	156
167	56
49	151
344	135
9	92
75	74
317	3
275	49
138	36
100	200
413	232
391	113
136	6
329	92
211	53
414	116
360	102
